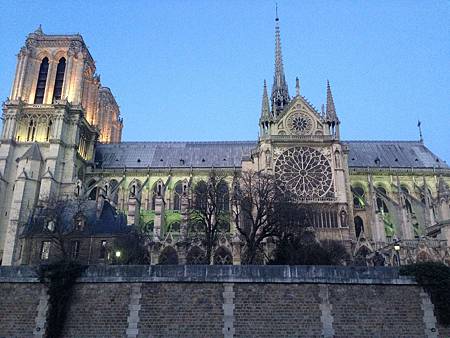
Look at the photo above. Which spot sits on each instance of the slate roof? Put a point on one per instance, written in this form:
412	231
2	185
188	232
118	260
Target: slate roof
173	154
394	154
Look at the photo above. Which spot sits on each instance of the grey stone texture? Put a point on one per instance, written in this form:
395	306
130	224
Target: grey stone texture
376	311
181	310
202	301
98	310
18	309
277	310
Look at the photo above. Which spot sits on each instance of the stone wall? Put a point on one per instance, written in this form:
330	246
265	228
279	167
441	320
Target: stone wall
224	301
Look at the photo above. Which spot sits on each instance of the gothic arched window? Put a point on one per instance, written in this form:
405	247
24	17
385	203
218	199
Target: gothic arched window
359	226
359	200
154	194
31	131
49	128
381	195
196	256
59	80
42	80
201	195
177	193
223	197
223	256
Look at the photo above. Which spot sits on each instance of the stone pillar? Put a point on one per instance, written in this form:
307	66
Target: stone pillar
228	310
184	216
159	223
67	75
326	308
16	213
236	248
22	73
428	213
154	251
133	210
50	84
41	317
182	252
20	60
134	307
377	224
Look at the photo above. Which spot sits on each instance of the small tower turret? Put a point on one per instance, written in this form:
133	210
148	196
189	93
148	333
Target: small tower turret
265	120
330	115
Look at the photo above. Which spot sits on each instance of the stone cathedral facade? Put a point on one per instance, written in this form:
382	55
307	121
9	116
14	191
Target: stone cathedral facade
62	138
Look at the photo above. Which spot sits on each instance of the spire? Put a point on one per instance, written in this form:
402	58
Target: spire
331	110
297	87
265	110
39	30
280	94
419	125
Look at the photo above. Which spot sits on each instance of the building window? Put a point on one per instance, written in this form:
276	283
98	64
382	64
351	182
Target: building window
75	249
223	197
42	80
45	250
359	199
57	91
31	133
103	249
49	128
178	192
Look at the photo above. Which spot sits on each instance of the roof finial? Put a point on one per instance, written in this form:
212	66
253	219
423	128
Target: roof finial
331	110
420	130
276	12
297	86
39	30
265	110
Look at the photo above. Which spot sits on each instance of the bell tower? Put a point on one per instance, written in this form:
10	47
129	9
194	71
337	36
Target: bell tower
47	142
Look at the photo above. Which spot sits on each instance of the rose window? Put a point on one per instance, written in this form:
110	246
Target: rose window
305	172
300	123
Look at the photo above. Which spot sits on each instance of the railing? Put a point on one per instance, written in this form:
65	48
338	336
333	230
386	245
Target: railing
301	137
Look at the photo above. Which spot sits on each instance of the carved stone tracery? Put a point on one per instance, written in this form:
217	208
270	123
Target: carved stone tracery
304	172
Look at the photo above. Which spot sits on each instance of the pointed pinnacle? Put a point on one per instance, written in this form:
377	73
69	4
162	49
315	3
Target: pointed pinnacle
297	86
265	110
39	30
331	110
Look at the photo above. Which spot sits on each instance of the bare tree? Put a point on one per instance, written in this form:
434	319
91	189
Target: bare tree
262	211
208	212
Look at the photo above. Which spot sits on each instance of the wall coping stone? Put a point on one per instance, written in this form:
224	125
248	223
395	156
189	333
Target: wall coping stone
222	274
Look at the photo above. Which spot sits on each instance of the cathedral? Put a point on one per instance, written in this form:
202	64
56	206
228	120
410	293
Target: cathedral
61	139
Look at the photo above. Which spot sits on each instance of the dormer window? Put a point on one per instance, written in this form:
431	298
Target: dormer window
79	221
50	225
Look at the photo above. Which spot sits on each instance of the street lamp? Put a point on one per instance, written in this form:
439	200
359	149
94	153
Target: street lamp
397	251
118	254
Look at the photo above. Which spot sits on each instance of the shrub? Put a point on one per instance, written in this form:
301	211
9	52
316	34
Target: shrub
435	279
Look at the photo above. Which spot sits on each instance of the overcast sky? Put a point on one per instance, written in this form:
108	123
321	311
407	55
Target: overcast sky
194	70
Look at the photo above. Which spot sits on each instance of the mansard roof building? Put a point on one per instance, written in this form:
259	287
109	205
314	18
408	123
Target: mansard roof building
62	137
